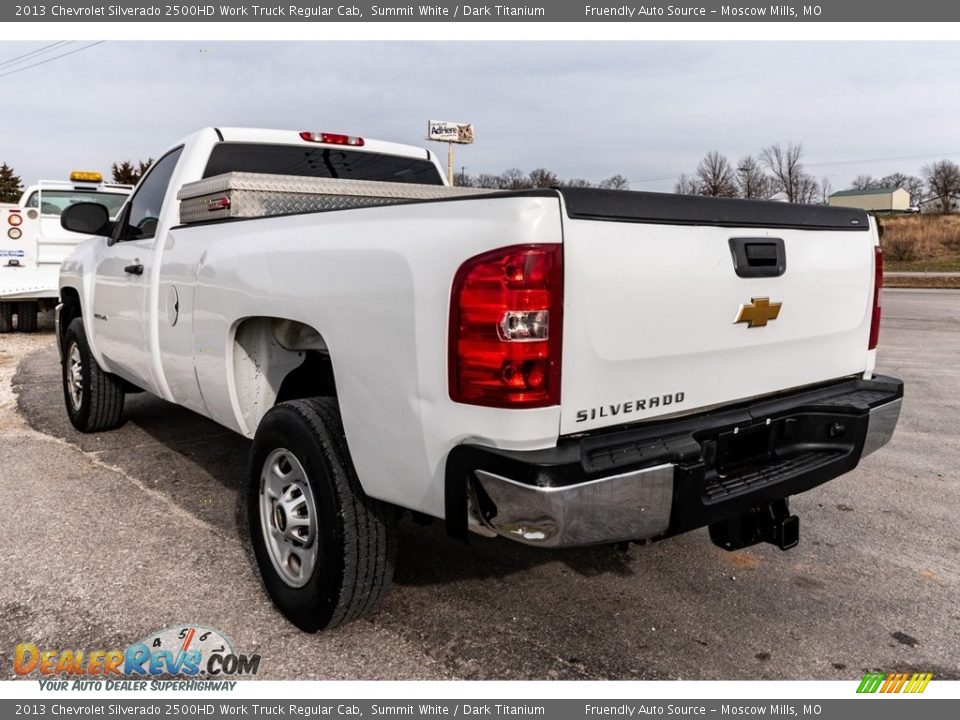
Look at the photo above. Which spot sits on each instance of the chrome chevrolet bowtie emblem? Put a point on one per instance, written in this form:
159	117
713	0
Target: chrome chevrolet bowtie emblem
758	312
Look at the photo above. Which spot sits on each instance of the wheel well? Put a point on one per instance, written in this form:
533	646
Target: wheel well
275	360
70	299
314	378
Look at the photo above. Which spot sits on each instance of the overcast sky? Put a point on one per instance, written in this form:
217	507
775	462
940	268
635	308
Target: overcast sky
646	110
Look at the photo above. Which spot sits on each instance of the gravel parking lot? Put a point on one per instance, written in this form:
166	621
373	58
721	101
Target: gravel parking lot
107	537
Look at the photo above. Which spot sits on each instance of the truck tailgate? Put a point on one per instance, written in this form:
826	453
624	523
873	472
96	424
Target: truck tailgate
652	298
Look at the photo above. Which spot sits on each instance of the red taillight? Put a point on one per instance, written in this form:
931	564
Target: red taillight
506	317
14	218
332	138
877	284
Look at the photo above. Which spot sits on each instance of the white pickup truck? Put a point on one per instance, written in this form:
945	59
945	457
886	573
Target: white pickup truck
34	244
559	367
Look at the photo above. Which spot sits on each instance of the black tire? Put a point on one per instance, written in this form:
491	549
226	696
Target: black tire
355	535
97	404
27	317
6	317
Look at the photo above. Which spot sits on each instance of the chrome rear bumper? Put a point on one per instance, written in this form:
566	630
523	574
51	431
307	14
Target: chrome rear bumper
883	421
661	479
621	507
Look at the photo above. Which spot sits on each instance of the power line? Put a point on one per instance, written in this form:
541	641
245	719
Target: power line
652	179
883	159
55	57
44	49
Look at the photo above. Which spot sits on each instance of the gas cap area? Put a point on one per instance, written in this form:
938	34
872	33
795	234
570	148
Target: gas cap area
173	305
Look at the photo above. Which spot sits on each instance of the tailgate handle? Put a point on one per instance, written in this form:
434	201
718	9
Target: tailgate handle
758	257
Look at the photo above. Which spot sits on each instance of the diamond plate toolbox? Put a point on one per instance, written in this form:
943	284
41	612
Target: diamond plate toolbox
250	195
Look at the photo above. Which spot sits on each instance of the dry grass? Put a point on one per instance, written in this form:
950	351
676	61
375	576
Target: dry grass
930	240
922	281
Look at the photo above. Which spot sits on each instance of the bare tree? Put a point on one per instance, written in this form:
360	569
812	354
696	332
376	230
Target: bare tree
826	188
752	183
911	183
464	179
943	184
514	179
864	182
788	174
685	185
808	190
577	183
486	180
542	178
615	182
715	176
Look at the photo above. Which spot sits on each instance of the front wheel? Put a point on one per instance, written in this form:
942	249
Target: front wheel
94	399
325	549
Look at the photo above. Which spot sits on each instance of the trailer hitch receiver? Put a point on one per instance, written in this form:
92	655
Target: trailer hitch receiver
771	523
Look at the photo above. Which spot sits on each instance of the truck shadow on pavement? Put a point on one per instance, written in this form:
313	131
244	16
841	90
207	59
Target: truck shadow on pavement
202	467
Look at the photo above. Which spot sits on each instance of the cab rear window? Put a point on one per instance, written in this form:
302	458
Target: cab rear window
54	202
319	162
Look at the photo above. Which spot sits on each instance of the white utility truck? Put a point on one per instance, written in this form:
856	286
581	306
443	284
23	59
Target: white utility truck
559	367
34	244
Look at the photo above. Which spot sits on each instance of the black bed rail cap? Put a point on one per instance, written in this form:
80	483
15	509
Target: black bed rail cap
672	209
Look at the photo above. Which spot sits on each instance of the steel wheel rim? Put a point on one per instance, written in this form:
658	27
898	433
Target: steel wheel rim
75	376
288	517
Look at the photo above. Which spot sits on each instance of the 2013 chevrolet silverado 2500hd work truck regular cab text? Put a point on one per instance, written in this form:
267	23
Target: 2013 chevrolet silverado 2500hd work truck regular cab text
559	367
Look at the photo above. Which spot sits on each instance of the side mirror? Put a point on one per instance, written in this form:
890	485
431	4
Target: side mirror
87	218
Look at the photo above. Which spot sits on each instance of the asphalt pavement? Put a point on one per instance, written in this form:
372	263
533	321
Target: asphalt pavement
107	537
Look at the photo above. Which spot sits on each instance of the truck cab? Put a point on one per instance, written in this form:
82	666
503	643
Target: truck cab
34	244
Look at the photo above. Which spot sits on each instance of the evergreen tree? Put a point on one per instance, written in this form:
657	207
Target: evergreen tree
11	187
127	173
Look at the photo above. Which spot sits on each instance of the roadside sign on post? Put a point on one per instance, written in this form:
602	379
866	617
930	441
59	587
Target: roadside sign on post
452	133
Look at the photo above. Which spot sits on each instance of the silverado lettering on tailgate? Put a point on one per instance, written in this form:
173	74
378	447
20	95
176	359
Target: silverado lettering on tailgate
630	406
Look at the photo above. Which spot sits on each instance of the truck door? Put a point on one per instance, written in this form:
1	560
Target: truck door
122	314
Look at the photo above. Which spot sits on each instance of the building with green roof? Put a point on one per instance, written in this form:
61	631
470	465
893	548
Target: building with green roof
880	200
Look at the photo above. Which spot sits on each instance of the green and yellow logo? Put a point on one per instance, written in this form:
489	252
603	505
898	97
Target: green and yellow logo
894	682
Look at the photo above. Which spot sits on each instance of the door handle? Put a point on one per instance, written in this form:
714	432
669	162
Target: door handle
134	269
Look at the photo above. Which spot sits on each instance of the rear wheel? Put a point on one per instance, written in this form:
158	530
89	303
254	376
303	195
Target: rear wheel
27	317
325	549
94	399
6	317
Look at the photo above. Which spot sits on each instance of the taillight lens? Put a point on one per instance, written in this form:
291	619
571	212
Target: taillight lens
877	284
506	317
14	219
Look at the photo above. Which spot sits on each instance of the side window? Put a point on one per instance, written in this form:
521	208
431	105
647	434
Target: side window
143	212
